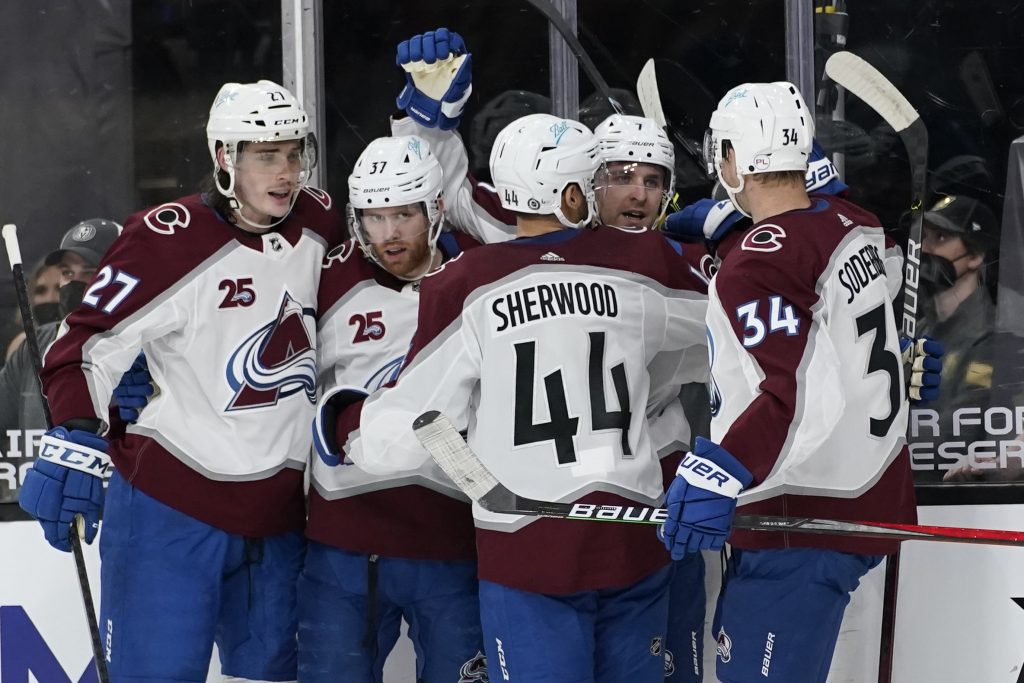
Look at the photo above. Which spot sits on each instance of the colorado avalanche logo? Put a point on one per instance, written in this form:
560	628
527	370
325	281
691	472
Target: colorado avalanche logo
475	670
167	218
275	362
385	375
767	238
320	196
723	648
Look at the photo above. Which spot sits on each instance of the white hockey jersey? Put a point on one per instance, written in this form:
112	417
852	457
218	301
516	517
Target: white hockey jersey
807	378
543	348
227	321
366	324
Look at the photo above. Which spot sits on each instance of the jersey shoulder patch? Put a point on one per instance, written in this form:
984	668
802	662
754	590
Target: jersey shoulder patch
321	196
767	238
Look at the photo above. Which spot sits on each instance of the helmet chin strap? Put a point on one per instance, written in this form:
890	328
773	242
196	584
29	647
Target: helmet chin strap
730	190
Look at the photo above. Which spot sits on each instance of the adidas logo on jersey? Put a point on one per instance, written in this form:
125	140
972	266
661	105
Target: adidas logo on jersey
551	256
846	221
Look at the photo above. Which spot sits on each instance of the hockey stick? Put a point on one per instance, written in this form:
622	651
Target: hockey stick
867	83
450	451
75	532
650	102
556	19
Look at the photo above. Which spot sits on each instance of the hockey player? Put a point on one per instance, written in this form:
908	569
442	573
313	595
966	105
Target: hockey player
807	396
542	348
387	547
633	188
203	517
637	179
384	547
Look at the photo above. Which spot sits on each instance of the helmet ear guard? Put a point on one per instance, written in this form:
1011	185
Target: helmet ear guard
536	157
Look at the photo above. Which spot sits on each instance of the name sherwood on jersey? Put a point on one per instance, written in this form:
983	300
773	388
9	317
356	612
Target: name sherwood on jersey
541	301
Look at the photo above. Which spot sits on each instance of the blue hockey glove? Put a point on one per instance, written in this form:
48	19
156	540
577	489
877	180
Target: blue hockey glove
701	501
438	78
65	481
822	176
133	393
325	424
704	219
922	360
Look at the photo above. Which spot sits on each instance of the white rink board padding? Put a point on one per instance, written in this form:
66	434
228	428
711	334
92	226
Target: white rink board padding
957	620
43	633
42	621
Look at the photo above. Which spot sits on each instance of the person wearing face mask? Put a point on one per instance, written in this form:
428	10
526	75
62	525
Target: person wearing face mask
44	286
959	238
21	413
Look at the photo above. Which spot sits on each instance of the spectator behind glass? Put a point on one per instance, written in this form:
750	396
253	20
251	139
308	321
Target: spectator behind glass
959	241
21	412
44	288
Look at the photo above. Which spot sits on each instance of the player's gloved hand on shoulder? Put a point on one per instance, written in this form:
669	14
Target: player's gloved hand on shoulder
134	390
66	480
701	501
325	424
438	78
704	219
922	361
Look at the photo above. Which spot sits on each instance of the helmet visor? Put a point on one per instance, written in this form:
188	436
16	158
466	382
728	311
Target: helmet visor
630	194
294	158
708	150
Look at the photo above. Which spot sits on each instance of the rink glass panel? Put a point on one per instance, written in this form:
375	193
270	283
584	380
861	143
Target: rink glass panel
104	107
700	50
959	65
508	41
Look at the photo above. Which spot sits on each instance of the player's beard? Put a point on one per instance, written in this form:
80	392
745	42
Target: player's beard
413	263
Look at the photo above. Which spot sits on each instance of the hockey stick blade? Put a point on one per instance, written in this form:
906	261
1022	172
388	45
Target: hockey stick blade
556	19
647	93
650	102
453	455
867	83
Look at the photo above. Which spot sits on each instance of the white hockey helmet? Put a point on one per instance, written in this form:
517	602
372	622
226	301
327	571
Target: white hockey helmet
536	157
637	139
395	171
256	112
767	125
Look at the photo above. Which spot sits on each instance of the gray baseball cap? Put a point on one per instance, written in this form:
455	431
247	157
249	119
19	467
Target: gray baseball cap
89	239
